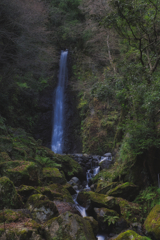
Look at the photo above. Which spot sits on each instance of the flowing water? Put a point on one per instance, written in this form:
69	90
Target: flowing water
58	126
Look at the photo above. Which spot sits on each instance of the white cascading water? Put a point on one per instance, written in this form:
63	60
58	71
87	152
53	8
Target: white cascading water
57	134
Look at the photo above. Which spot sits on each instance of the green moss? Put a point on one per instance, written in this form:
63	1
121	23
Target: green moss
51	194
9	197
131	235
98	200
21	172
56	192
9	215
70	226
26	191
126	190
152	222
104	186
130	211
53	175
69	166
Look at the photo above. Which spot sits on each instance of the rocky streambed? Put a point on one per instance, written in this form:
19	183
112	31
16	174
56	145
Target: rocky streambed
38	189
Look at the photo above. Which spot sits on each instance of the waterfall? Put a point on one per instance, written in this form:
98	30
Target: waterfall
58	125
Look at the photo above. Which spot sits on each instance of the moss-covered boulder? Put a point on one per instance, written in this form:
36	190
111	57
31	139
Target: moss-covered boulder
105	217
70	189
70	167
53	175
130	235
56	192
96	200
4	157
104	186
6	144
93	223
70	227
41	207
8	215
130	211
152	222
127	190
20	172
22	229
26	191
8	194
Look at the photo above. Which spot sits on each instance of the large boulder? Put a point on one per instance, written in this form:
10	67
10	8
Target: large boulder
105	163
53	175
26	191
70	167
56	192
105	217
127	190
92	200
8	194
20	227
65	163
41	207
130	235
130	211
20	172
69	226
93	223
152	222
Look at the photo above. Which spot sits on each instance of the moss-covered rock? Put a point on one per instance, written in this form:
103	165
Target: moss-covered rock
93	223
104	186
128	235
8	215
41	207
6	144
53	175
8	194
4	157
152	222
20	172
56	192
105	217
69	188
26	191
127	190
69	166
130	211
70	227
96	200
24	229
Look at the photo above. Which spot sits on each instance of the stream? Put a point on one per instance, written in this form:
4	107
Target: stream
90	174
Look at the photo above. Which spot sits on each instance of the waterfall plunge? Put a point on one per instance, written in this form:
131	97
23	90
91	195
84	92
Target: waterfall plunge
57	134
